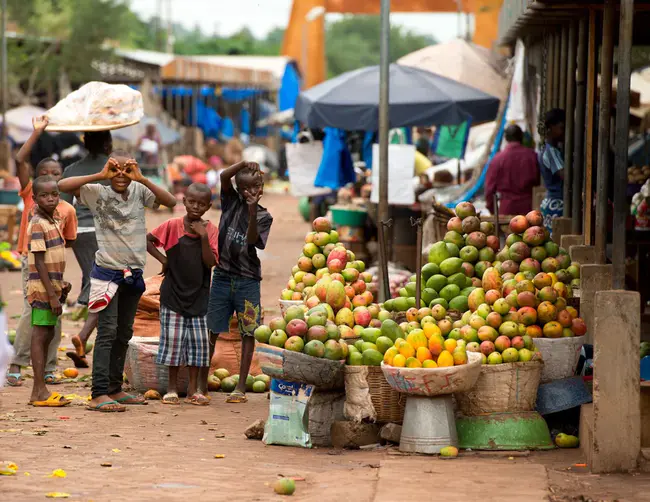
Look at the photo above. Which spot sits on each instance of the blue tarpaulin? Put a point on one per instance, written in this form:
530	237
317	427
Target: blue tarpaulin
336	169
289	88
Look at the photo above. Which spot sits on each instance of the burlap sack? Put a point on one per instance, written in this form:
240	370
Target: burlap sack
500	388
358	404
560	356
227	352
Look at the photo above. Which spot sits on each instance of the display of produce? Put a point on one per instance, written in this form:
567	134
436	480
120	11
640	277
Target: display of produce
638	175
222	380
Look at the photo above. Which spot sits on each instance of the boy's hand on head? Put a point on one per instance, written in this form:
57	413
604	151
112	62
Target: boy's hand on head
40	123
111	169
199	228
132	171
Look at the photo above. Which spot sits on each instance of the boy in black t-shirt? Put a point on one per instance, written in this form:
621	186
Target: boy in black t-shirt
244	228
191	250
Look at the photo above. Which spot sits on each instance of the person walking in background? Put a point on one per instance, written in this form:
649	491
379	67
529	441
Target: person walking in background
513	173
551	164
116	278
149	146
67	222
243	229
99	145
191	250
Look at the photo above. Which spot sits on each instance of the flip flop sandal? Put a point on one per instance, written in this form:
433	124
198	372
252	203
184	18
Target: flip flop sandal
55	400
50	379
171	398
14	380
198	400
79	362
100	407
237	397
134	400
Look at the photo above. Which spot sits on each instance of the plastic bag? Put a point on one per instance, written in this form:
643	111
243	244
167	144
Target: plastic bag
97	104
288	422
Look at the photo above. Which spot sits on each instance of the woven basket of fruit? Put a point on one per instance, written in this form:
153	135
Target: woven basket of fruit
434	381
298	367
508	387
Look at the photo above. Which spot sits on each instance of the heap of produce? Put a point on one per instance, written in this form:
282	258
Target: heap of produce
321	256
455	264
221	379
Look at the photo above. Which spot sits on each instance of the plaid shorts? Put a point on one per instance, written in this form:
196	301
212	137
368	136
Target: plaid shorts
184	341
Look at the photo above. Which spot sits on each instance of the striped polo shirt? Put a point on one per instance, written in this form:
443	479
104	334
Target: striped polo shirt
44	236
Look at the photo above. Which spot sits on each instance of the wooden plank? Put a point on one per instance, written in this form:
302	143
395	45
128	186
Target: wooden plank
589	142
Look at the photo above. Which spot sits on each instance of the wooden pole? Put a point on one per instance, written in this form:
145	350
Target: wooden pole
556	69
570	82
592	55
549	73
564	36
579	132
622	134
606	69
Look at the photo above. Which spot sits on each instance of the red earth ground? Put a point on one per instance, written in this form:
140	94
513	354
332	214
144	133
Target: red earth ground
158	452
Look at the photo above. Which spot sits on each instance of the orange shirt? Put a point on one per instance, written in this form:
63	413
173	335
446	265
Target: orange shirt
67	219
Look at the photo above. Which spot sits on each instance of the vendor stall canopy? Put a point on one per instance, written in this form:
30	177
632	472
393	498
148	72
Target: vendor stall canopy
417	98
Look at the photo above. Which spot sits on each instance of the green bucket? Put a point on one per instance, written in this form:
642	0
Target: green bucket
346	217
504	431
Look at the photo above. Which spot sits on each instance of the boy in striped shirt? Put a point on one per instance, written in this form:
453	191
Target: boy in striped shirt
46	289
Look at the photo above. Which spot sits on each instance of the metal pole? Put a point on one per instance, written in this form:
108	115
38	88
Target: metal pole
602	169
570	118
579	132
384	68
622	134
303	56
4	83
592	55
563	68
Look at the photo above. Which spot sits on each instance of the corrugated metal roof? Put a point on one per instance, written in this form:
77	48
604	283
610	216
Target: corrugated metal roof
152	58
274	64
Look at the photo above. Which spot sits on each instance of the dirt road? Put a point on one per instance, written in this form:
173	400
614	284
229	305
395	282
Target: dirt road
158	452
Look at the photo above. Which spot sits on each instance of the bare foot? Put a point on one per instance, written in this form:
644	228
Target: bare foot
79	347
39	394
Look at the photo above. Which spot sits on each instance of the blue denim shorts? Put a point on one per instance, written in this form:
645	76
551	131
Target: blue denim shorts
233	294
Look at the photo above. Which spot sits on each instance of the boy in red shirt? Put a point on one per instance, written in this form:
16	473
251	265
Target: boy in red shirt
191	250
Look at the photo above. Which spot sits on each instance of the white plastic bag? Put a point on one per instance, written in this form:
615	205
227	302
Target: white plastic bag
288	422
97	105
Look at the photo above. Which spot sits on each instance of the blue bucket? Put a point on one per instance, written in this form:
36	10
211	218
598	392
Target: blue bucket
562	395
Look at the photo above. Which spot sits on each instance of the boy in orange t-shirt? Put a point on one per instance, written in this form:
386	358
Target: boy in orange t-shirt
67	221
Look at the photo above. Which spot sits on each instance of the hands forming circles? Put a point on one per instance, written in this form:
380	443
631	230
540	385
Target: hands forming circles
130	170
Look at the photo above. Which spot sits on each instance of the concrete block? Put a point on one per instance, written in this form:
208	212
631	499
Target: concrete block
584	255
616	441
593	278
353	435
391	433
586	430
572	240
561	226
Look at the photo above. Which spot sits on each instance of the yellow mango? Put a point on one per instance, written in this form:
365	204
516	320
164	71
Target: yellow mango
389	355
445	359
399	361
417	339
423	354
412	362
429	363
406	349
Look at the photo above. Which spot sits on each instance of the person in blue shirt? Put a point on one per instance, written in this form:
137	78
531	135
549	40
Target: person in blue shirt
551	166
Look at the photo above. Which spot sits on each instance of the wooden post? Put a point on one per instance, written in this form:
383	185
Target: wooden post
579	133
556	69
606	69
592	55
549	73
570	82
622	130
564	36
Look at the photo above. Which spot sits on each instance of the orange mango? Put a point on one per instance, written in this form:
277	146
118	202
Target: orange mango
423	354
450	344
431	329
436	344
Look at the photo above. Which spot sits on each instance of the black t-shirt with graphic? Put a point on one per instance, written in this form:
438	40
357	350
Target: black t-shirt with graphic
236	256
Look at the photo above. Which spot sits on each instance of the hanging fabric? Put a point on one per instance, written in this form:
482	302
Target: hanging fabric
336	169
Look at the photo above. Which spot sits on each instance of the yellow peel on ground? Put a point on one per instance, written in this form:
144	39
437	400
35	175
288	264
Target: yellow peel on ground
58	473
57	495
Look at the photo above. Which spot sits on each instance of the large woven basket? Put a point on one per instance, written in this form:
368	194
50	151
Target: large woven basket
389	404
560	356
509	387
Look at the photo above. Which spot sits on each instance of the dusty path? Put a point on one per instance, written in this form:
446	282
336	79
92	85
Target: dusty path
164	453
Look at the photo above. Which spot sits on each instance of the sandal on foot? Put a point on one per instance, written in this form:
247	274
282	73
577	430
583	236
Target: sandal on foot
237	397
132	400
14	380
79	362
50	379
100	407
55	400
171	398
198	399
